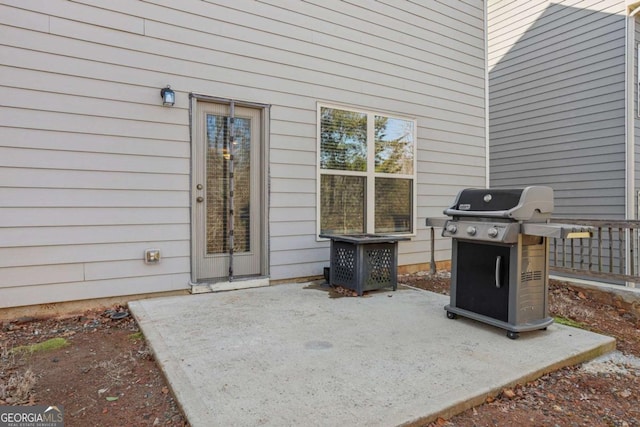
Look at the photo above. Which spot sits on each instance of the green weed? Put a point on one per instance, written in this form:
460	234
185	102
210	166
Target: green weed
51	344
568	322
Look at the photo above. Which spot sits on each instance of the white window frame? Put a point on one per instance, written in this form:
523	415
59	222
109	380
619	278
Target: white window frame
370	174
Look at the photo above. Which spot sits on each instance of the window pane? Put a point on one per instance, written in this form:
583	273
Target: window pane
393	205
342	204
343	140
394	145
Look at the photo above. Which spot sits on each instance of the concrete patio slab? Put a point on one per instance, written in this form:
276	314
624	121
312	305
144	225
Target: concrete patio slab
290	355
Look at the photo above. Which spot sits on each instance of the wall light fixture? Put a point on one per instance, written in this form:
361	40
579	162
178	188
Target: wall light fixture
168	96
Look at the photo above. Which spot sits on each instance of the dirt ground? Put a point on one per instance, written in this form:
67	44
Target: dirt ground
104	374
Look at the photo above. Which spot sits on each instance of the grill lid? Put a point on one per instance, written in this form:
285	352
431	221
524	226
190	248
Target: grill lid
519	204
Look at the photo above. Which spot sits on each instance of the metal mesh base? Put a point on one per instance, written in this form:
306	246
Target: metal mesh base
379	264
344	265
363	267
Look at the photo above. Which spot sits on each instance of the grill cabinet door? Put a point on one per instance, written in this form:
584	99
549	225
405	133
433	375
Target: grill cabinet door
482	279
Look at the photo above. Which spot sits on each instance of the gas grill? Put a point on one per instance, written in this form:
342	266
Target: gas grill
500	253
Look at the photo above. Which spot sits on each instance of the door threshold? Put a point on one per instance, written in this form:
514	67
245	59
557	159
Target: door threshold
208	286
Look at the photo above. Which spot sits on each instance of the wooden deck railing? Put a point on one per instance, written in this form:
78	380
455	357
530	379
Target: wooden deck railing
609	254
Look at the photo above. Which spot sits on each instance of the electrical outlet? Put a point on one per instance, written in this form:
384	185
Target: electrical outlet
152	256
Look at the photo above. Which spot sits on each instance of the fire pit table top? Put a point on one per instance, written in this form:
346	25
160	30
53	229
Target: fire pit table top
364	238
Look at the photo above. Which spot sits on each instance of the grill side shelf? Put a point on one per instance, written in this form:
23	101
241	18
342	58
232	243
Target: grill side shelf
437	222
559	231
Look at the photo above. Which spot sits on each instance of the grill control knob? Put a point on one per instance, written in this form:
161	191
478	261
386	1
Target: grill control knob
452	228
492	232
471	230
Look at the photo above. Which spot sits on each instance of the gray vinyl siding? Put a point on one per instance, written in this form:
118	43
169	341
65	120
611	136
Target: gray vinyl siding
636	114
93	170
556	102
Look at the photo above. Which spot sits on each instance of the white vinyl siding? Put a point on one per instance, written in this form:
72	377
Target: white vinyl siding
557	103
103	169
92	170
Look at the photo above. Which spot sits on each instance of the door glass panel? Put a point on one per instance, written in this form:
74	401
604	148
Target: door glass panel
217	170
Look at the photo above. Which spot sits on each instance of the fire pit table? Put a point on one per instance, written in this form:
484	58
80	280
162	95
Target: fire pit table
363	262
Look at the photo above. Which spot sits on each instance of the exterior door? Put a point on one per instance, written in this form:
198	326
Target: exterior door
212	199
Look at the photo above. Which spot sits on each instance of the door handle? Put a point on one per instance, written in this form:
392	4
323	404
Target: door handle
199	199
498	271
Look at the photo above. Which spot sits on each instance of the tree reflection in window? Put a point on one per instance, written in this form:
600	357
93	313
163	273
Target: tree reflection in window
359	158
394	145
343	140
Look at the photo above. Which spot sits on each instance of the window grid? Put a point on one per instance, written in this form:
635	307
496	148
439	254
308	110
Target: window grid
370	174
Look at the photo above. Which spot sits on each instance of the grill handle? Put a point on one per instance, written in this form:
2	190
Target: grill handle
498	271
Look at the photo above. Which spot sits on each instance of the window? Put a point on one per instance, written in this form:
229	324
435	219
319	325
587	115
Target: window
367	172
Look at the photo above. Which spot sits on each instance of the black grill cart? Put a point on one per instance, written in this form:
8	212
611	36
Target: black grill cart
500	253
